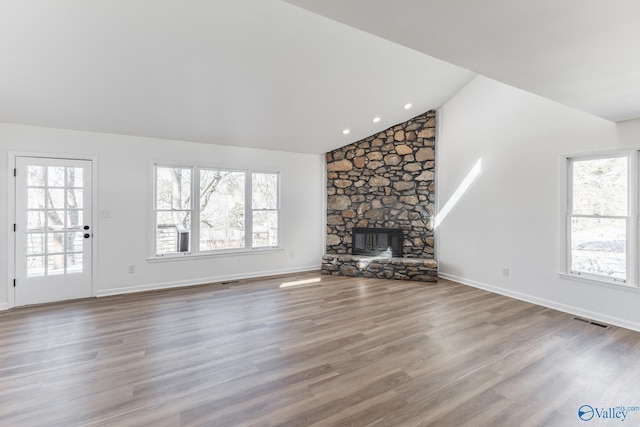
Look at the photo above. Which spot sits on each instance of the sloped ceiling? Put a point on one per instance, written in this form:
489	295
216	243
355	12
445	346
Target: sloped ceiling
582	53
292	75
252	73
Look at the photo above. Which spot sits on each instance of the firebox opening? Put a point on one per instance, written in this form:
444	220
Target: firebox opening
377	242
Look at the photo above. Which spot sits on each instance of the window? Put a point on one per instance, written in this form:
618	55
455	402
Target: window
173	209
264	206
225	210
598	217
222	210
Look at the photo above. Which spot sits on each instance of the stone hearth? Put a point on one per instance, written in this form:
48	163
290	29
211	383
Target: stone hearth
419	269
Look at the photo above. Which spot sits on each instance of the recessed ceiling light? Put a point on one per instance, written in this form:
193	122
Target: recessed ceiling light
376	119
346	132
407	106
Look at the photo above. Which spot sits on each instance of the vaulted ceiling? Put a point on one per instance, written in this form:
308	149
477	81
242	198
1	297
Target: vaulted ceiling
270	74
582	53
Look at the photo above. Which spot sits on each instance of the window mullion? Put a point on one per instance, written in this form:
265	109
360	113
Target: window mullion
248	203
569	211
600	216
569	201
633	260
154	206
195	211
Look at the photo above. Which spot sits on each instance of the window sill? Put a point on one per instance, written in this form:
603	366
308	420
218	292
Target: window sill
242	252
606	283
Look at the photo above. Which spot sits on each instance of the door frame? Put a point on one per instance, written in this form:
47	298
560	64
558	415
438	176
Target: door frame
11	215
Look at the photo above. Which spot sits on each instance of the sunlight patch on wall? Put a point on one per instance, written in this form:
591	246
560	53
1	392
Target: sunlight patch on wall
464	186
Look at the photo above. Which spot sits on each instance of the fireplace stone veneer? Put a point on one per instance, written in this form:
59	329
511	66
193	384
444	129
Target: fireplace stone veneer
385	181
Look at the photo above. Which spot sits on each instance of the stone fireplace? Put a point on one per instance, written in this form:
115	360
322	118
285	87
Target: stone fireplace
383	182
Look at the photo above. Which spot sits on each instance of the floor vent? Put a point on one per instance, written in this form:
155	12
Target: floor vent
591	322
229	282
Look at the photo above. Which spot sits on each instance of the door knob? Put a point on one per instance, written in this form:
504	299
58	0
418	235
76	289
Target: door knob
86	227
87	235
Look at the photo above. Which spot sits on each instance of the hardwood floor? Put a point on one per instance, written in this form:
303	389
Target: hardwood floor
338	351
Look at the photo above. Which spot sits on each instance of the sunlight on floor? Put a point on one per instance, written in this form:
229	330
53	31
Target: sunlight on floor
300	282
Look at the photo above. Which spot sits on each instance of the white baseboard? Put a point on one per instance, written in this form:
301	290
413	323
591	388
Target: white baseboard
203	280
576	311
4	306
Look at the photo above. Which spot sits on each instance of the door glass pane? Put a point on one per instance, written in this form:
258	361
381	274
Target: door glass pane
55	243
55	176
598	246
35	198
74	198
35	220
35	243
265	228
55	264
74	177
75	241
55	198
55	220
74	219
35	176
35	266
74	263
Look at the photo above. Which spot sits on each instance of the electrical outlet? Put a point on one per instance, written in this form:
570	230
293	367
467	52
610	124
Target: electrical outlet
131	269
505	272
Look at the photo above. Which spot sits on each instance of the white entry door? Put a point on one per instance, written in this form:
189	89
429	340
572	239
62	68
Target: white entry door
53	230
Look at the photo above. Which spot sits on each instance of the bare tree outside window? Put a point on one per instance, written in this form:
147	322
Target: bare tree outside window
54	220
265	209
173	209
222	210
220	215
599	217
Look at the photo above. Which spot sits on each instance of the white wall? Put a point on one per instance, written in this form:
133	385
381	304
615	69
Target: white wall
510	216
123	187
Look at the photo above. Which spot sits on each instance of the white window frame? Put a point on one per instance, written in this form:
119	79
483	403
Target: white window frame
194	232
250	207
247	227
155	209
632	219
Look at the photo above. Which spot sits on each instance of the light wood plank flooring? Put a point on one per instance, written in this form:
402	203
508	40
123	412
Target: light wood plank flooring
339	351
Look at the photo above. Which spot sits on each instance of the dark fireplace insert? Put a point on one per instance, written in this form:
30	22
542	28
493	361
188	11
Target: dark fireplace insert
377	242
